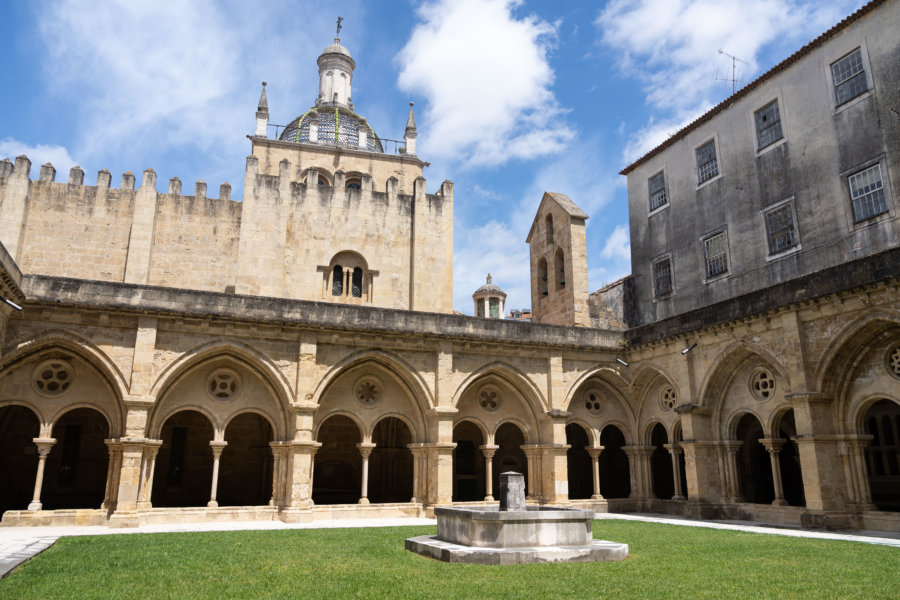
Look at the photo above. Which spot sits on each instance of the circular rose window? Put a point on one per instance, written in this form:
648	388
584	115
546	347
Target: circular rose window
224	385
893	362
489	399
667	399
368	391
52	377
762	384
593	402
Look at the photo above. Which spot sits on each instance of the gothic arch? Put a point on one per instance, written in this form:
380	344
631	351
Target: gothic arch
268	418
41	417
730	358
592	434
606	373
342	413
534	400
477	423
846	349
648	378
417	436
238	351
627	432
856	423
728	429
159	419
649	426
396	366
513	421
87	350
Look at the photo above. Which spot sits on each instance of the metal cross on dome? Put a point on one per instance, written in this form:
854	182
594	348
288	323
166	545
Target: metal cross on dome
339	25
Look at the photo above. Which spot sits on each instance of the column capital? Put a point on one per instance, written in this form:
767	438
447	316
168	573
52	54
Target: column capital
488	451
595	451
365	449
773	445
674	449
44	445
217	448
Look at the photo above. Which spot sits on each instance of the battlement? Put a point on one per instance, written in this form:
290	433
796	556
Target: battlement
22	169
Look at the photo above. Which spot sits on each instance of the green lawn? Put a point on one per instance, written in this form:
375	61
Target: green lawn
666	561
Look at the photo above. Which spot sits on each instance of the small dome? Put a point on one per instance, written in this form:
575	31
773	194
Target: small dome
337	48
337	127
489	287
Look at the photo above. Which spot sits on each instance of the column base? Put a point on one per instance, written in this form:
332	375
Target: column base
598	497
212	504
679	498
363	500
125	519
295	514
35	506
488	498
779	502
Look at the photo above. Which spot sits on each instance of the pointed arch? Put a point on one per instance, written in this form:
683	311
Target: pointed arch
86	349
648	377
847	347
395	365
606	373
730	358
513	377
592	434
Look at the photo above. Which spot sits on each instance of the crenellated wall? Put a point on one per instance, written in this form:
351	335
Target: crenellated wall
281	240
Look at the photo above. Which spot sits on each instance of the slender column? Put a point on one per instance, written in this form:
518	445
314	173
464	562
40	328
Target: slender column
733	488
43	445
217	448
849	479
595	467
774	445
365	450
675	451
112	471
147	485
418	452
532	456
489	452
857	449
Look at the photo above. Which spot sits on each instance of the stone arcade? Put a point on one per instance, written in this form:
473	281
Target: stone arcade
180	357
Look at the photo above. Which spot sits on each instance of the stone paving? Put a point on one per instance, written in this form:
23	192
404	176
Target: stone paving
18	544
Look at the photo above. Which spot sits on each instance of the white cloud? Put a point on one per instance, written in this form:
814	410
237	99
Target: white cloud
618	245
58	156
672	46
487	80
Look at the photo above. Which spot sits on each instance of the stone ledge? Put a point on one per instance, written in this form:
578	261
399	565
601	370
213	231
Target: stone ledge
596	551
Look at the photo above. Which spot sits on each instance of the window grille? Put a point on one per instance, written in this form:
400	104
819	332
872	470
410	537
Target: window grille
867	193
768	124
657	185
662	276
357	283
716	255
337	281
707	165
780	227
849	77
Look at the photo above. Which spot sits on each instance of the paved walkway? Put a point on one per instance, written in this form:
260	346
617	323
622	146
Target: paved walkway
18	544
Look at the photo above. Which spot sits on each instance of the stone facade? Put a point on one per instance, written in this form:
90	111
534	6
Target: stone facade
183	358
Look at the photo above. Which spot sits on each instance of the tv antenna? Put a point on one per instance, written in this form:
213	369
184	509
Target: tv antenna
734	80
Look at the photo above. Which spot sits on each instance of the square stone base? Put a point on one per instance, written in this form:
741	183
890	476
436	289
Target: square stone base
596	551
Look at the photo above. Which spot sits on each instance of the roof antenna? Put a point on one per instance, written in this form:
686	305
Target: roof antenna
734	61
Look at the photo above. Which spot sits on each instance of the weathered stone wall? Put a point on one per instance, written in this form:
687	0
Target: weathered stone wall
607	306
822	145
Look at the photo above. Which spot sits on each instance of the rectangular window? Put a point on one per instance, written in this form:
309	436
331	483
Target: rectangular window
707	166
849	77
867	193
657	185
662	277
716	248
768	124
780	228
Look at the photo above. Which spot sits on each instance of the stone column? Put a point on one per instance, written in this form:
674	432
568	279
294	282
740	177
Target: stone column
595	464
857	447
533	457
420	461
148	471
675	451
217	448
489	452
816	441
365	450
129	482
732	486
849	479
112	472
44	446
774	445
639	470
295	479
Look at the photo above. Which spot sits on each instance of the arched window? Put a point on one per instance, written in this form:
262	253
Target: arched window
356	289
542	276
337	281
354	183
560	269
548	222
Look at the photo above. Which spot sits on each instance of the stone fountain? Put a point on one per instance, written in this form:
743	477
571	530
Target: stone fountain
514	533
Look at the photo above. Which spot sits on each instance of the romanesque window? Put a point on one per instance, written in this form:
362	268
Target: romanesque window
657	186
867	193
707	165
768	125
849	77
548	223
560	269
542	277
716	250
337	281
662	276
357	284
780	228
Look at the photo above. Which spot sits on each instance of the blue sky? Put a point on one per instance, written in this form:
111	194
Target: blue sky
513	97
